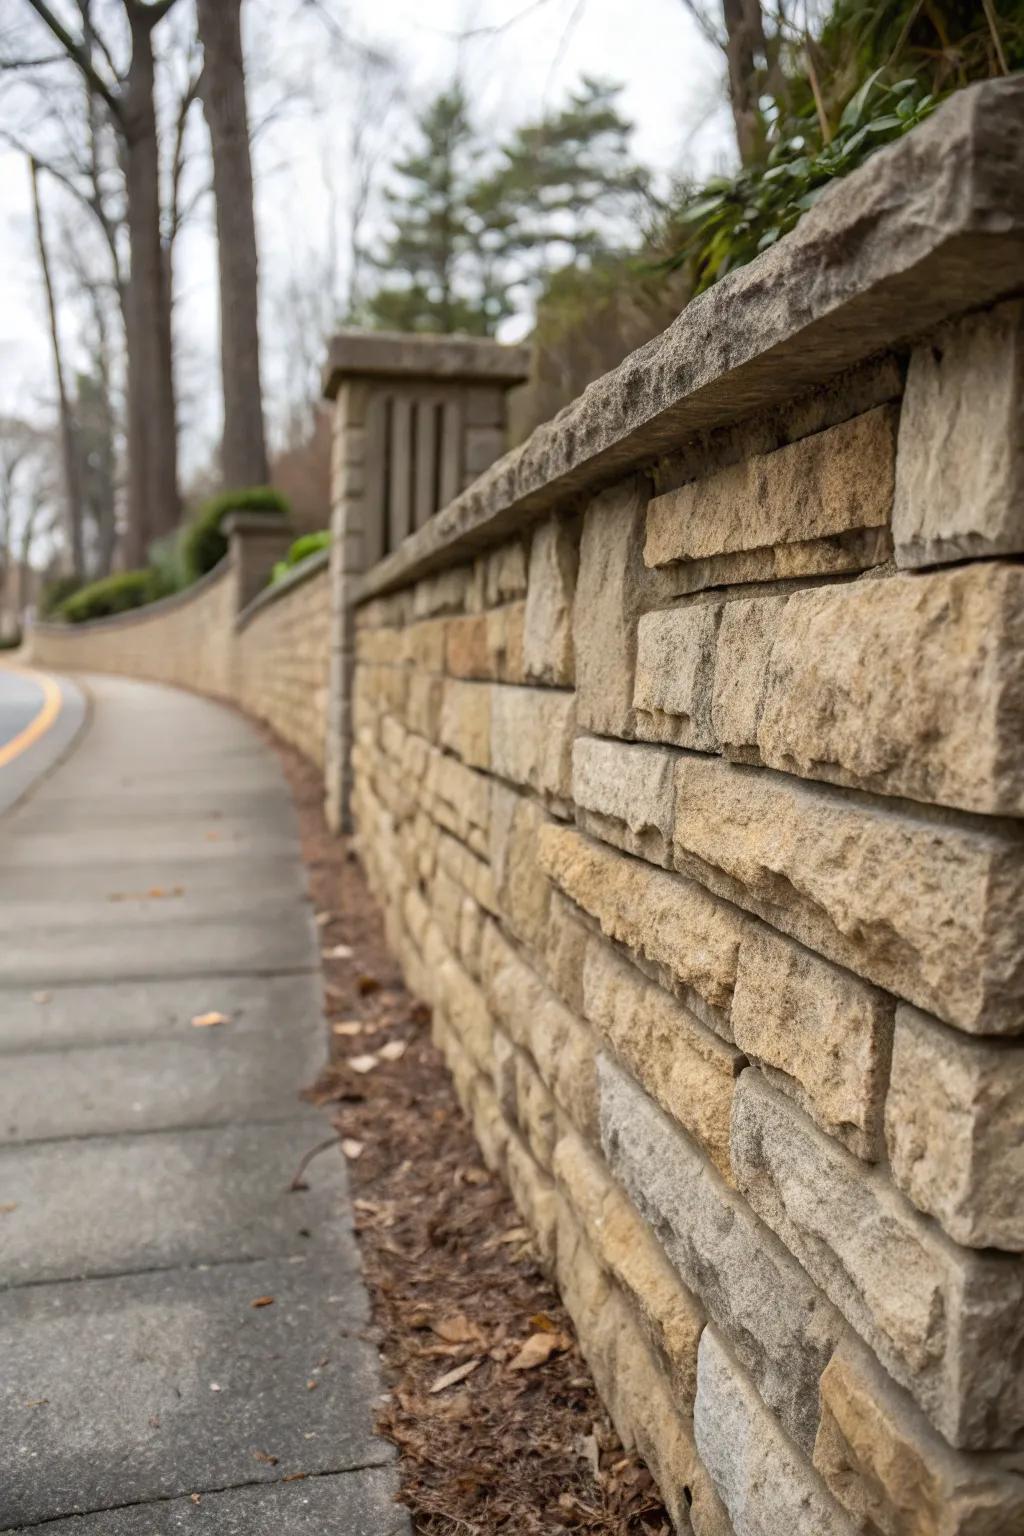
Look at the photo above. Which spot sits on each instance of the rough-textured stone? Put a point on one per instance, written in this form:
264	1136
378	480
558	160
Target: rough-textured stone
947	1323
746	635
675	670
547	646
564	946
780	1325
960	470
671	921
688	1070
829	483
919	903
890	1470
535	1196
822	1035
954	1124
932	226
521	888
609	587
768	1488
626	1246
532	732
913	686
466	722
627	794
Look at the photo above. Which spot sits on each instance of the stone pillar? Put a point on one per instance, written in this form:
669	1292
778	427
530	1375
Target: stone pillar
256	541
416	418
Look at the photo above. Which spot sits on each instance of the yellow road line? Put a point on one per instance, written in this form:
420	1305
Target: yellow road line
40	723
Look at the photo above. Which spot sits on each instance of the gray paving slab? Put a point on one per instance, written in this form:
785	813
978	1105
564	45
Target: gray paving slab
153	1085
257	943
349	1504
118	1012
211	881
130	906
115	1205
159	1385
132	806
149	846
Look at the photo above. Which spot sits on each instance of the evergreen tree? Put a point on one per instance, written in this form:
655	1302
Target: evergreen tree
431	248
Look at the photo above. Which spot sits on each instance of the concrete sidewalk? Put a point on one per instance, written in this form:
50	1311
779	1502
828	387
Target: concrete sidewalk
145	1163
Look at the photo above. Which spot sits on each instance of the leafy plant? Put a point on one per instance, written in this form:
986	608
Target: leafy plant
55	592
305	545
733	220
118	593
203	545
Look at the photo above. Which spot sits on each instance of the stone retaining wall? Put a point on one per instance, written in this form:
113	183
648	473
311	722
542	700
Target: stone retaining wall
687	770
272	658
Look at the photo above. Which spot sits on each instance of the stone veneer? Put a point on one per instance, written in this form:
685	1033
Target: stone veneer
683	751
687	768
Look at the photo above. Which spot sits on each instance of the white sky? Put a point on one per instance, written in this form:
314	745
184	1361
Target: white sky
672	92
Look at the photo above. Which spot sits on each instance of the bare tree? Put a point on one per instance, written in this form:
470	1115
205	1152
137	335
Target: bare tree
69	455
128	98
243	454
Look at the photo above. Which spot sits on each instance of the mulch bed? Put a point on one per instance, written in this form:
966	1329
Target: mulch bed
491	1405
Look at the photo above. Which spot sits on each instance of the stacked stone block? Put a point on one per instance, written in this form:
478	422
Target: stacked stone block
694	811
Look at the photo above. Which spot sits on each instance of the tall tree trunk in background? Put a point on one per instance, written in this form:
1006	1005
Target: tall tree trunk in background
69	457
152	426
746	54
244	454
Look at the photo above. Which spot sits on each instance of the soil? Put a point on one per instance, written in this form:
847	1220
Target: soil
490	1403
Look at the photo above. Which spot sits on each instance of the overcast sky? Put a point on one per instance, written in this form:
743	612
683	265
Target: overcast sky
672	91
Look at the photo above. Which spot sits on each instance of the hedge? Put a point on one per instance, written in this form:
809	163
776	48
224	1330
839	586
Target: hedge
118	593
203	545
305	545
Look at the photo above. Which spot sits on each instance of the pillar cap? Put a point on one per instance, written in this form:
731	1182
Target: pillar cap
406	355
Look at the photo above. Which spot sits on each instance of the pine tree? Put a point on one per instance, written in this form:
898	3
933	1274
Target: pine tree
431	248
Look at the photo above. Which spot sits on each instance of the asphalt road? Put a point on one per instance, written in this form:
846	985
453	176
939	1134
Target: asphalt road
40	716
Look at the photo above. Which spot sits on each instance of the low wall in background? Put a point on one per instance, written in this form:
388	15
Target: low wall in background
683	752
271	658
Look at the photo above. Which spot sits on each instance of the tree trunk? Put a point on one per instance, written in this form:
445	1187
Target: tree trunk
153	505
72	485
746	59
244	454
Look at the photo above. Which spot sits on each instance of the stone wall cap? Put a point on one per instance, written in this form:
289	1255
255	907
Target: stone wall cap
400	355
930	227
252	520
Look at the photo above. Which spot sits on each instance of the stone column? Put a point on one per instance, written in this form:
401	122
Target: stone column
256	541
416	418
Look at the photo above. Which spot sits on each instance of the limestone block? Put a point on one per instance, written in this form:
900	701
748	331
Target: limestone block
746	635
466	722
915	902
423	709
443	593
504	641
626	1246
466	647
536	1199
565	943
521	888
612	590
683	1066
670	921
470	935
560	1044
675	670
946	1322
831	482
912	686
893	1474
554	557
954	1124
780	1325
628	793
505	1057
820	1034
532	732
425	644
960	464
504	573
766	1485
536	1111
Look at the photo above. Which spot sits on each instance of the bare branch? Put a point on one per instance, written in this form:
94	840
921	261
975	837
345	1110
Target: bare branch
79	55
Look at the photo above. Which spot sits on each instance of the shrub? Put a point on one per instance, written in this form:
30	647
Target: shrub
111	594
203	545
10	642
55	592
305	545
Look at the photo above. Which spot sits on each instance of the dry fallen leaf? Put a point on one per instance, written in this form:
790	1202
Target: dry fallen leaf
323	918
456	1329
393	1051
367	984
41	997
262	1301
538	1348
347	1027
351	1148
208	1020
339	952
266	1458
312	1384
363	1063
458	1374
8	1207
